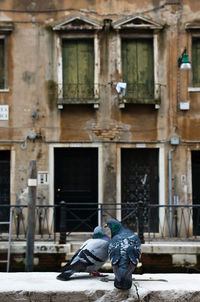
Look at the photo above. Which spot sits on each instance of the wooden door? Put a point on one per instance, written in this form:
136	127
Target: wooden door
76	181
196	191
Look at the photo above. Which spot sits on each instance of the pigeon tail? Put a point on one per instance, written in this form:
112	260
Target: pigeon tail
123	278
65	275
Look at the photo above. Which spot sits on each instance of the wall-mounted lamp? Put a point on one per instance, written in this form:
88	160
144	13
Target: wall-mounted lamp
183	61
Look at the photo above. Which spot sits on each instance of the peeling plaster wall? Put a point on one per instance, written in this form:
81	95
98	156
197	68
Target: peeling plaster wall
32	78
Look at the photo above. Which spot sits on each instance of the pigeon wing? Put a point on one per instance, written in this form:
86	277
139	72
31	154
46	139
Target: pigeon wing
75	258
115	255
114	258
92	253
134	254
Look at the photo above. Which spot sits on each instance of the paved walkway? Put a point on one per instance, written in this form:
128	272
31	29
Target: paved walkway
43	287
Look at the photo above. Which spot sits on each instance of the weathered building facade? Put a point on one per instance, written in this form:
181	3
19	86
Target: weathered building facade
93	92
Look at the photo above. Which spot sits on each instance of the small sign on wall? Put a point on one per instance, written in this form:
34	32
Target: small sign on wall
43	178
4	112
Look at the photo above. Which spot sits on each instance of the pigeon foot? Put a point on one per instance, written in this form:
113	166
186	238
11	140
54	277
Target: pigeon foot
97	274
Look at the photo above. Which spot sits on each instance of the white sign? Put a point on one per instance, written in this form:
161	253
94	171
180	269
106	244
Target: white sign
43	178
32	182
4	112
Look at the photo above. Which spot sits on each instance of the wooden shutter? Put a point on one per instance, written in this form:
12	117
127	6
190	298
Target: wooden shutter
2	65
78	68
196	62
86	68
129	66
69	55
138	68
145	68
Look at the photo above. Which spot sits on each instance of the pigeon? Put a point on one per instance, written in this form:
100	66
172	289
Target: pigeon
89	258
124	251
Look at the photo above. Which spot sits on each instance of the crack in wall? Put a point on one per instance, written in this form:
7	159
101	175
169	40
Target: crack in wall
137	292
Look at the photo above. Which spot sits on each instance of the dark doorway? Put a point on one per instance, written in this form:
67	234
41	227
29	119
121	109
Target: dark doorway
4	187
140	183
196	191
76	181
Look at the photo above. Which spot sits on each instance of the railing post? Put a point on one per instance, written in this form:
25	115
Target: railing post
141	220
101	214
32	185
63	210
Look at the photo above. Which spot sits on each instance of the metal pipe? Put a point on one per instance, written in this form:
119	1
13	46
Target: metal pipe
170	193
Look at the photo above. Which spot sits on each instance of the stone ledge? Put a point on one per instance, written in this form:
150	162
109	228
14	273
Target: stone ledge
32	287
150	248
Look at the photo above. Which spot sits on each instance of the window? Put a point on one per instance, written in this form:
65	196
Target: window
78	60
196	61
78	68
138	68
2	64
5	31
138	54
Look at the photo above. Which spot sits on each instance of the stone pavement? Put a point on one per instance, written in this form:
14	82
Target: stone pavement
43	287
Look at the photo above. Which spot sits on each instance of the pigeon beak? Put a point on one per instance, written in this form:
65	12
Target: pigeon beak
105	225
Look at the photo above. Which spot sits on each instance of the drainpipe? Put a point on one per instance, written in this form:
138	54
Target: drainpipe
170	194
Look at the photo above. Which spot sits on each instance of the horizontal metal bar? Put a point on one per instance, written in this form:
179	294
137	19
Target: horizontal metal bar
104	204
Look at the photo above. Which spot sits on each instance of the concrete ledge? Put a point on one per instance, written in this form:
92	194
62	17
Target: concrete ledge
32	287
173	257
150	248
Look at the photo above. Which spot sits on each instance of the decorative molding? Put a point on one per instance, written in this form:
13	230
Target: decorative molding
137	22
193	89
77	22
191	26
6	27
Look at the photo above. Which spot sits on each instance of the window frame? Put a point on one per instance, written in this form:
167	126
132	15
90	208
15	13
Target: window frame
77	36
193	31
192	35
5	38
139	35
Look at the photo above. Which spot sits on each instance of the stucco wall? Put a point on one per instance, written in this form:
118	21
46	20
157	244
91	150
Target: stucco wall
32	72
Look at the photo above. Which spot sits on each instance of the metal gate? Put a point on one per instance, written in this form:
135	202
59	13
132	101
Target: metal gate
139	184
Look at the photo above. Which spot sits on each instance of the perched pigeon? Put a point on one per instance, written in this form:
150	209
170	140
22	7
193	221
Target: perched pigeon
90	257
124	251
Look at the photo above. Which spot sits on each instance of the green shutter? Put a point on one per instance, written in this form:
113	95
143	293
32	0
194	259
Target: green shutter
129	66
196	62
78	68
2	64
137	68
86	68
69	55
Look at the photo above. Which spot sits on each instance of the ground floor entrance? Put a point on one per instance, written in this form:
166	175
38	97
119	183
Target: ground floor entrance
139	179
76	181
4	186
196	191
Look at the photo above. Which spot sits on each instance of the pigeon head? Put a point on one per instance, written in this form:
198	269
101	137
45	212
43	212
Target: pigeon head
114	225
98	233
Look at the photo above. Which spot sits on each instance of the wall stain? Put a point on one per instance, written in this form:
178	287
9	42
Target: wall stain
28	77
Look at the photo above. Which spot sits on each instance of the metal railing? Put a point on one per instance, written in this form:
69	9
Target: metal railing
140	91
78	91
61	222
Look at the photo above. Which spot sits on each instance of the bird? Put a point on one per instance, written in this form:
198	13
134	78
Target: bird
89	258
124	251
